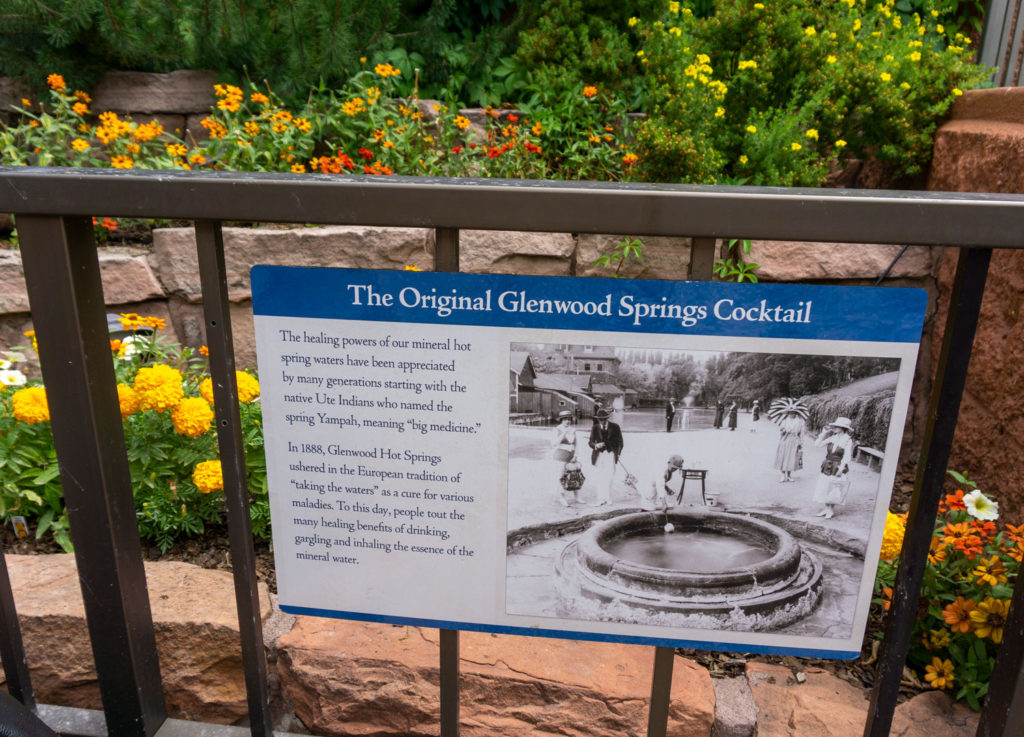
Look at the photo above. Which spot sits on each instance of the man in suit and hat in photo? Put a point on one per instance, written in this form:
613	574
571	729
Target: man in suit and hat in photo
606	446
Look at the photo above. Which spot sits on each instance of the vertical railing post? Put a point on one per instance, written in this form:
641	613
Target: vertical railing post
12	647
216	311
950	377
446	258
1003	712
69	314
702	261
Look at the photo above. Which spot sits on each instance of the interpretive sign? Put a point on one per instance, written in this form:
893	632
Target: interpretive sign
672	463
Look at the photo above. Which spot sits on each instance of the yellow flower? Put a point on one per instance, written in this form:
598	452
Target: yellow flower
904	85
196	157
56	81
251	128
743	159
989	618
80	108
192	417
122	162
892	537
158	387
303	124
461	122
991	571
795	146
208	476
810	31
812	133
673	6
386	70
629	159
128	400
176	149
248	387
30	406
720	112
633	21
840	143
758	6
940	28
259	98
751	129
79	145
940	673
886	77
206	389
26	102
831	59
298	169
748	64
957	92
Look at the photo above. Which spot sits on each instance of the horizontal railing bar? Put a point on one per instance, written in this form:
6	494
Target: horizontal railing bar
771	213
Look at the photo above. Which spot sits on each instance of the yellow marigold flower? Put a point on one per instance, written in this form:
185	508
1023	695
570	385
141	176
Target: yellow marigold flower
248	386
122	162
79	145
30	406
892	537
298	169
56	81
462	122
411	267
840	143
940	673
989	618
158	387
886	77
751	129
208	476
743	159
128	399
795	146
192	417
80	108
206	389
589	91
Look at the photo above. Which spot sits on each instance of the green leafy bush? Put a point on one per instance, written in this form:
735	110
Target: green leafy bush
781	92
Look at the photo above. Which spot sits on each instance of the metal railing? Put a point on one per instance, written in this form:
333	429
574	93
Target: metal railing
53	209
1002	42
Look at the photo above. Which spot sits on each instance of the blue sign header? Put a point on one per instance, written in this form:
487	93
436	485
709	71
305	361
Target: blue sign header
793	311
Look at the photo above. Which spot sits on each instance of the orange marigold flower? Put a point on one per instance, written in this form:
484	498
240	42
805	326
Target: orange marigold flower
589	91
159	387
128	399
208	476
192	417
958	614
29	405
56	82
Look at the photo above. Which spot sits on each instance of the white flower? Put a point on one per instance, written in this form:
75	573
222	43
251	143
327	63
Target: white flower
128	349
13	357
980	506
12	377
4	364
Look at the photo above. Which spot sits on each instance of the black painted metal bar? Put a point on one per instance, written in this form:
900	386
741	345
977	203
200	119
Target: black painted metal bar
702	259
1003	712
69	314
661	688
12	647
772	213
216	310
446	258
950	378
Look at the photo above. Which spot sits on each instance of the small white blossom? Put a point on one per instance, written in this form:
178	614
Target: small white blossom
980	506
12	377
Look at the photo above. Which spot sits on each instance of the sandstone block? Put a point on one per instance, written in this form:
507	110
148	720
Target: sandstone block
514	252
183	91
933	714
735	713
126	278
823	705
174	253
784	261
371	679
194	615
188	322
978	156
1004	104
663	258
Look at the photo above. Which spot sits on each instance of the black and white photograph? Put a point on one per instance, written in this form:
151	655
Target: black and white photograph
694	489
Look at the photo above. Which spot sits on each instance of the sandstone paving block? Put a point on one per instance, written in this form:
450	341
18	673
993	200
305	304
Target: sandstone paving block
374	679
174	253
183	91
827	706
663	258
735	713
978	156
196	625
515	252
784	261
